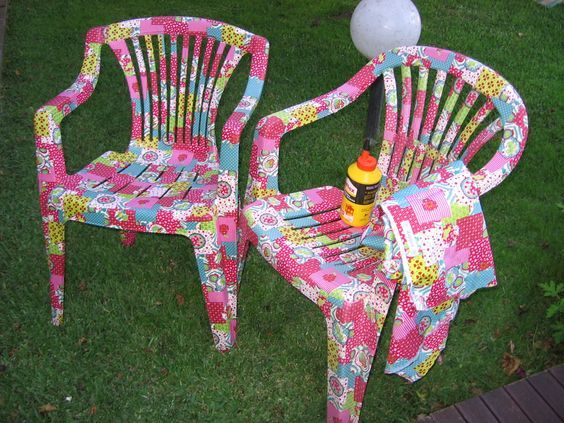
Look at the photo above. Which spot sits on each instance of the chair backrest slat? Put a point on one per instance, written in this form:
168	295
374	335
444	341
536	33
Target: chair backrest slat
197	133
415	159
481	139
154	90
456	124
470	128
401	144
173	89
391	122
144	90
190	101
163	91
182	91
432	155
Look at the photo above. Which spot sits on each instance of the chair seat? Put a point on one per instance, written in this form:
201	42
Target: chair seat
303	237
131	191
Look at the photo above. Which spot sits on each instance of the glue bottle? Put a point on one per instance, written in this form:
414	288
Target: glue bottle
361	186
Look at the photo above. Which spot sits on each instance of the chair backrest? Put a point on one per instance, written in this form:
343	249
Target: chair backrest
177	69
436	133
430	124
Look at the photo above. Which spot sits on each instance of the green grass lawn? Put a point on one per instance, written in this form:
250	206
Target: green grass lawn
129	350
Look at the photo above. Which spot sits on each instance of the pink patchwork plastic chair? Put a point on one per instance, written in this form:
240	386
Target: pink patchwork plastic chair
170	180
301	234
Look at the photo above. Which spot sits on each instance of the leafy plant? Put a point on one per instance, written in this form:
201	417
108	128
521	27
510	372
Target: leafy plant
556	310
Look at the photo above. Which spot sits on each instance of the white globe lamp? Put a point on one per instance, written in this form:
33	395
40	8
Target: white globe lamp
376	27
380	25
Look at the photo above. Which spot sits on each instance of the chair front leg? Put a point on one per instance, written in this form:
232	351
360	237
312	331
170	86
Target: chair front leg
216	292
54	233
351	345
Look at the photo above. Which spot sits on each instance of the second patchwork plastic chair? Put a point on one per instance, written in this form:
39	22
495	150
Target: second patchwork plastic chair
171	179
301	234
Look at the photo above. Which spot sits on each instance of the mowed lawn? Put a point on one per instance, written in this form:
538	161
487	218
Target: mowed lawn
136	343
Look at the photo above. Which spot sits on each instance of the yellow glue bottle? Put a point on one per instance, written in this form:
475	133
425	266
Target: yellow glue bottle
361	186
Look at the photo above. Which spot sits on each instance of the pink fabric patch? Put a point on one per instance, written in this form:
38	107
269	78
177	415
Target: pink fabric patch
142	202
329	279
217	296
57	281
181	157
429	205
454	257
135	188
147	27
496	162
226	229
336	416
437	53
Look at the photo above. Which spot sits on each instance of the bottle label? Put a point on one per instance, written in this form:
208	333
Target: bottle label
360	194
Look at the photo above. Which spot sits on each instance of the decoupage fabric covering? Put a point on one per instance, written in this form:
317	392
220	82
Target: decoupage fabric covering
352	278
170	180
445	254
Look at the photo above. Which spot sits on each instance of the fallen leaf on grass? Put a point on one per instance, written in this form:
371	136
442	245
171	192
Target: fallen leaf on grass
511	347
83	340
47	408
180	299
93	409
510	364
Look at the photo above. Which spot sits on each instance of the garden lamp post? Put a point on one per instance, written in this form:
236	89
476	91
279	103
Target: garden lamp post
378	26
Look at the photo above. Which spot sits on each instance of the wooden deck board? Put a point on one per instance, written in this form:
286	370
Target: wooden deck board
447	415
531	402
550	390
538	398
558	373
474	410
503	406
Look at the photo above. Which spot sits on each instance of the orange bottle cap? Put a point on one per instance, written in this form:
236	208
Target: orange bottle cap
366	161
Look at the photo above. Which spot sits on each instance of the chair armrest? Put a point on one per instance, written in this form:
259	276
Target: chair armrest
263	169
47	121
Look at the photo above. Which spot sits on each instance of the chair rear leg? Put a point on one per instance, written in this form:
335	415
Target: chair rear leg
349	358
128	238
222	317
54	232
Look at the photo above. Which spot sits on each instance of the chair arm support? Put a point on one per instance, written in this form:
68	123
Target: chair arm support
263	169
235	124
47	121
